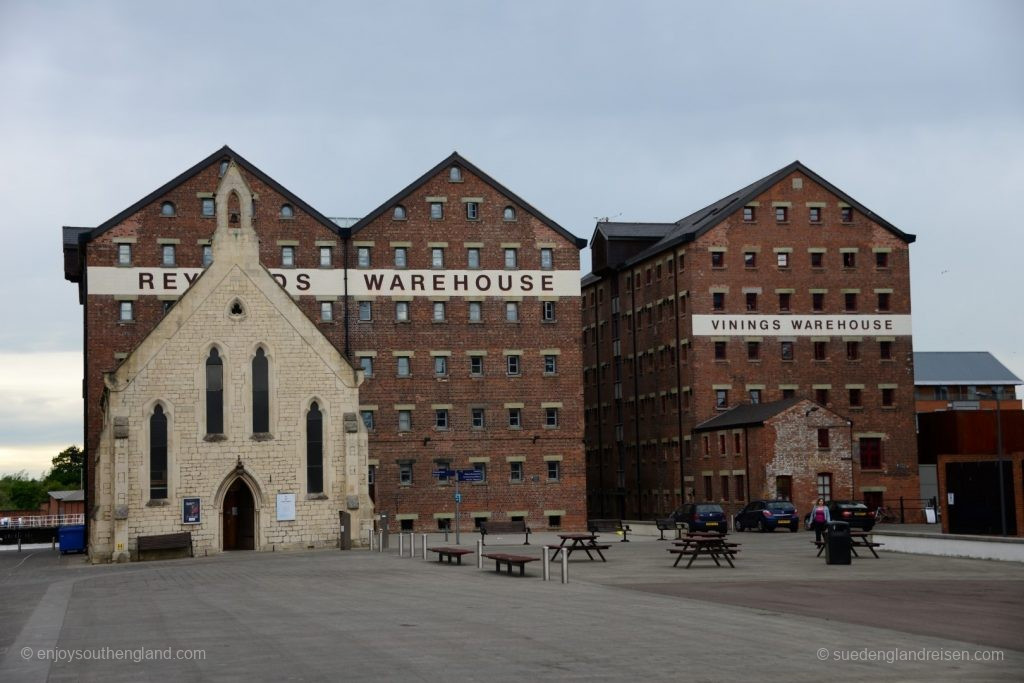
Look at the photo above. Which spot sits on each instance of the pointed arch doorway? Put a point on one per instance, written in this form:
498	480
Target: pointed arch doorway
239	517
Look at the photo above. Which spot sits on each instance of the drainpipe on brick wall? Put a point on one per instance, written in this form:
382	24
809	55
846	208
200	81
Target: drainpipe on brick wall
853	488
746	450
679	387
600	415
636	396
346	233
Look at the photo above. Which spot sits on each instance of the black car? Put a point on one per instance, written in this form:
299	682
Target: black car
702	517
851	511
768	515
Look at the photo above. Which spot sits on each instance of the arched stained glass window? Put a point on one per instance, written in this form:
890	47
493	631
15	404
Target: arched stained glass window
214	393
260	394
314	450
158	454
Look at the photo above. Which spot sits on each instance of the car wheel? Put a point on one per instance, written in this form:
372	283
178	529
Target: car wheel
793	527
738	524
762	526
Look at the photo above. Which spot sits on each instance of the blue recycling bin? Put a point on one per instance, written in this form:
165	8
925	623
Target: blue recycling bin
71	538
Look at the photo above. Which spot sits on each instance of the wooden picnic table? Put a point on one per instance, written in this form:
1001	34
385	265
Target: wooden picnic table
585	542
707	545
858	539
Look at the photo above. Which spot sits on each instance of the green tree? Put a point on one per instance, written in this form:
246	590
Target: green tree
18	492
67	468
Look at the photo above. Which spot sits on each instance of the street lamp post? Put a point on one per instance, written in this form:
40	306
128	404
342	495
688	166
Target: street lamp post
997	393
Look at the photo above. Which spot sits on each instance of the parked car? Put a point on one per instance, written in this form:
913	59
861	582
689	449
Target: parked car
768	515
702	517
854	512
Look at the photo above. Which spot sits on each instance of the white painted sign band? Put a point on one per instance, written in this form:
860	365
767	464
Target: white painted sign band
799	325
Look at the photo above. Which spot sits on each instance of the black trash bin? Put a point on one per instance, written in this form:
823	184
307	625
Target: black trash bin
837	543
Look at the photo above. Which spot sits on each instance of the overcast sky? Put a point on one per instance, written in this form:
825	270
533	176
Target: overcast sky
628	110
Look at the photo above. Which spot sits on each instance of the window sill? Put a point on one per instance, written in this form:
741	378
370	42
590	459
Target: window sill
214	438
262	436
158	503
316	496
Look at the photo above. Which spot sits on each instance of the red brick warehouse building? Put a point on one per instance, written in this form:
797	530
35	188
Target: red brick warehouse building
457	297
786	290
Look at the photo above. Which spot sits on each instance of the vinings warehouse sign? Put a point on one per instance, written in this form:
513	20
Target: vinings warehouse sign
799	325
361	283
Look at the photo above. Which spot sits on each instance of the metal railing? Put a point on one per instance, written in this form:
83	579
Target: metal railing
41	521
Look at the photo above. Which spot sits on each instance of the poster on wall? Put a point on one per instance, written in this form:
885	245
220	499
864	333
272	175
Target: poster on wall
286	507
191	512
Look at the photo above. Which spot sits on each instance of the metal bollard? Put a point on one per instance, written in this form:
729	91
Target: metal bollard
401	544
424	547
479	554
545	563
565	567
380	541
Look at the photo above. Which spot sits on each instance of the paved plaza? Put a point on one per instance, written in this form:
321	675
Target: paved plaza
781	614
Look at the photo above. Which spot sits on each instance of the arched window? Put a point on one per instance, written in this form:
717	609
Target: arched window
509	213
455	174
287	211
167	209
399	213
158	454
260	394
214	393
314	450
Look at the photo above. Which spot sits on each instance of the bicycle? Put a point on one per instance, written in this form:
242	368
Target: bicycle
883	515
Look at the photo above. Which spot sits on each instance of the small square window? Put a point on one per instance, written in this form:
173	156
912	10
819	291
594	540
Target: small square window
436	211
751	301
439	312
405	474
820	350
126	311
720	350
551	418
207	255
547	259
888	398
477	418
475	311
207	207
440	365
363	257
788	393
855	398
554	521
508	214
401	257
326	311
749	214
511	258
437	257
718	301
476	365
548	311
815	214
849	259
817	301
881	259
821	397
755	397
472	211
287	257
554	470
326	257
402	366
846	214
721	399
885	350
481	467
782	259
817	259
512	364
455	174
441	418
398	213
785	301
404	420
167	209
786	349
753	350
515	418
883	301
849	301
287	211
124	254
512	311
367	416
167	255
473	258
402	311
852	350
750	259
781	214
718	259
823	438
550	364
515	471
366	363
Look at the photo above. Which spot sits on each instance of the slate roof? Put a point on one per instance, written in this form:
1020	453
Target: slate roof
68	496
633	231
961	367
458	160
747	414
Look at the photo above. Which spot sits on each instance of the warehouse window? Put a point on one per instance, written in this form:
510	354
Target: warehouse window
124	254
508	214
260	393
158	454
455	174
167	255
167	209
214	393
436	211
314	450
287	211
472	211
398	213
363	257
126	311
207	207
404	420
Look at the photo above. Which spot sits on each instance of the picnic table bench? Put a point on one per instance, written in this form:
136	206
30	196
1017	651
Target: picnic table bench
166	542
668	524
696	546
513	527
506	559
857	540
449	553
584	542
608	526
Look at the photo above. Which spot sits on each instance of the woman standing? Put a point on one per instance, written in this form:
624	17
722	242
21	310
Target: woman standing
819	518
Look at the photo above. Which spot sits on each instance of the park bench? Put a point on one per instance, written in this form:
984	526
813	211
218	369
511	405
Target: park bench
449	553
514	527
667	524
615	526
166	542
506	559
